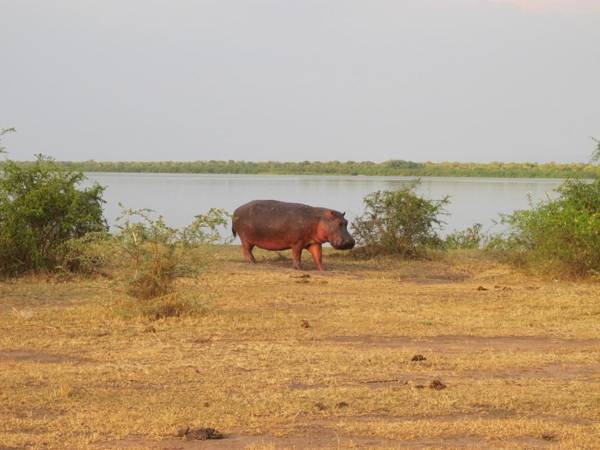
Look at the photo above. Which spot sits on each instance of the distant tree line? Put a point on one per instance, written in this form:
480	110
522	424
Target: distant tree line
387	168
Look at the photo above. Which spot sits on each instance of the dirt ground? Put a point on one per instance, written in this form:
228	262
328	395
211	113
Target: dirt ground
458	352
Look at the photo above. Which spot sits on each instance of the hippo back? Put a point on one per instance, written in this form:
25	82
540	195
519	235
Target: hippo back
268	217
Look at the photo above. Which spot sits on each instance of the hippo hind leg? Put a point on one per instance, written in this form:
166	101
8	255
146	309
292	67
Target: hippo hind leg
297	255
247	249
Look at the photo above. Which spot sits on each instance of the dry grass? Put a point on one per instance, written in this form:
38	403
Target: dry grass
520	357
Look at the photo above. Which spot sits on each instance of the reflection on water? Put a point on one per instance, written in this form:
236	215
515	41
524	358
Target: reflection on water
179	197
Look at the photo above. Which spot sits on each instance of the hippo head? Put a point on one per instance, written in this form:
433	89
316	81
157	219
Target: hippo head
335	227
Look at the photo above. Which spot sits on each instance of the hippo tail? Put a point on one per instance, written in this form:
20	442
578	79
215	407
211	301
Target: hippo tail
233	229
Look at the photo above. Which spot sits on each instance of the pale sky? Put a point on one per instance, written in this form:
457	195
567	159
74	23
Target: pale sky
437	80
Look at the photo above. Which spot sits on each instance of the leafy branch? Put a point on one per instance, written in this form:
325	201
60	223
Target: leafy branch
596	154
4	131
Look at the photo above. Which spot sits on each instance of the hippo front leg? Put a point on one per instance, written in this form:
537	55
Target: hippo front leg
317	255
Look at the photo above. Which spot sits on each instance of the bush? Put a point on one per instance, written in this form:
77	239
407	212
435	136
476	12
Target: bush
151	246
90	254
205	228
470	238
561	236
41	207
399	222
159	253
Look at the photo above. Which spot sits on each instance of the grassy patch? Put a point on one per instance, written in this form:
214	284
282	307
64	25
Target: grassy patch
279	360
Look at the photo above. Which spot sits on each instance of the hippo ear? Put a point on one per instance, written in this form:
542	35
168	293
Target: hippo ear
344	214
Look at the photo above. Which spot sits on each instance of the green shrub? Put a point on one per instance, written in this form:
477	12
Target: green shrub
399	222
158	254
151	246
90	254
42	206
560	236
469	238
205	228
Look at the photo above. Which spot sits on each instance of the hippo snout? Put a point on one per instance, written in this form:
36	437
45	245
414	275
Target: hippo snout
344	245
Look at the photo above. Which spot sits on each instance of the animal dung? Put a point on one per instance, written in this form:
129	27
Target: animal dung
199	434
437	385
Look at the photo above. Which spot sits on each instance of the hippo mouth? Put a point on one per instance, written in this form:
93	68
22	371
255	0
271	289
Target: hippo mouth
346	245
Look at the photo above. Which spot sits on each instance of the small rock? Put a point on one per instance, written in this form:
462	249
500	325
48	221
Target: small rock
418	358
549	436
437	385
481	288
342	405
102	334
149	329
419	386
304	323
304	275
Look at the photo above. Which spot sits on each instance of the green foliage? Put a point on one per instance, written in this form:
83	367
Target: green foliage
42	206
596	154
205	228
90	254
560	236
469	238
399	222
151	246
4	131
156	251
387	168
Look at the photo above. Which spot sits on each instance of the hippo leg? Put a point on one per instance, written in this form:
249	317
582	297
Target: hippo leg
317	255
297	255
247	248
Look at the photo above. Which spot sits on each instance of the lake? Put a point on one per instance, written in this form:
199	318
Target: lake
178	197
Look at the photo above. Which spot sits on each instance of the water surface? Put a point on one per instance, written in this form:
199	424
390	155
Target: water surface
178	197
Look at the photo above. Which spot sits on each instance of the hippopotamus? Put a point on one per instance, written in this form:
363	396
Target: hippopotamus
275	225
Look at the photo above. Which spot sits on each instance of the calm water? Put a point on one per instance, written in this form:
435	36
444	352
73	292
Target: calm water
178	197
